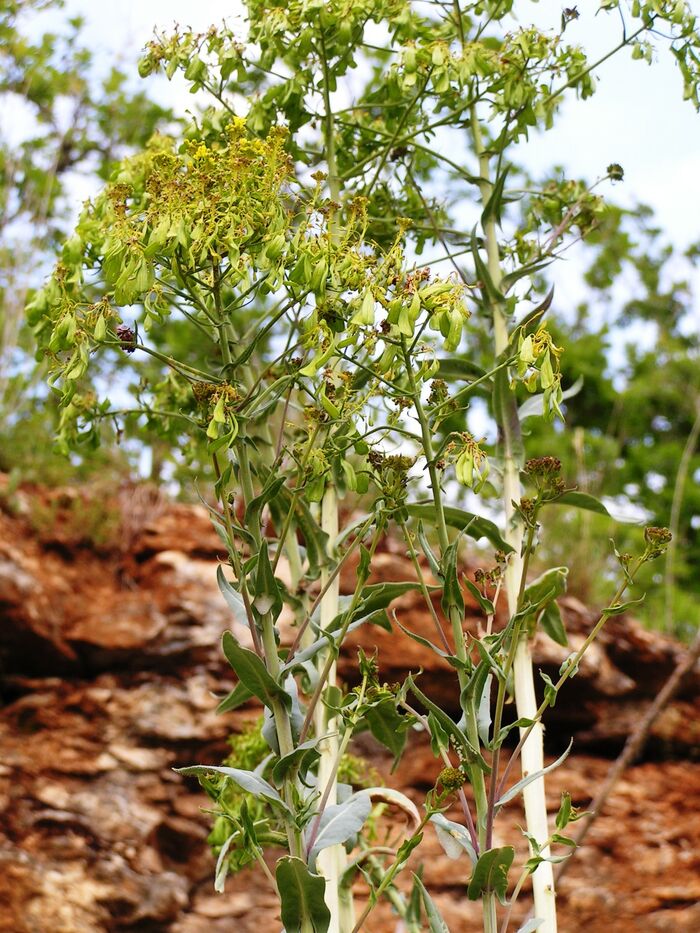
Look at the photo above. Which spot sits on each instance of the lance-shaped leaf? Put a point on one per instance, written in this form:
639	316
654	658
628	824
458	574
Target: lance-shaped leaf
452	597
426	642
251	671
548	586
233	598
315	539
302	758
222	864
473	525
271	488
488	286
246	780
339	823
302	896
553	625
458	367
582	500
470	754
453	838
268	596
237	697
505	411
302	657
622	607
374	599
516	788
389	727
490	874
494	205
435	922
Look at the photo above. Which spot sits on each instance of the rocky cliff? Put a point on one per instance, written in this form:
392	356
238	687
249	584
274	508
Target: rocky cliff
109	646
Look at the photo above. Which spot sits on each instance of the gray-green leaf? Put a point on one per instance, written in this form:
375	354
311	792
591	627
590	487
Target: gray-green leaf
246	780
340	822
453	838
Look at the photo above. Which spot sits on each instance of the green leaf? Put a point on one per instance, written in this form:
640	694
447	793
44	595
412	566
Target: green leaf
269	397
582	500
546	587
488	286
452	597
302	757
233	598
622	607
566	811
457	367
517	788
389	727
435	922
246	780
373	599
485	603
268	597
315	539
428	551
470	754
473	525
495	201
302	896
552	624
251	671
270	490
425	642
237	697
533	405
509	280
491	874
505	410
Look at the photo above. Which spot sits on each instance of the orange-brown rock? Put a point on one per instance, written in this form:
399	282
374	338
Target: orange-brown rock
110	660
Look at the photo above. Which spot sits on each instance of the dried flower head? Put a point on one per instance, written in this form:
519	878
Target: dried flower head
127	337
543	466
451	779
657	540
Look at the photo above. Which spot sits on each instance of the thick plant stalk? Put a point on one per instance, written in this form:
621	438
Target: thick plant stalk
456	622
532	759
331	860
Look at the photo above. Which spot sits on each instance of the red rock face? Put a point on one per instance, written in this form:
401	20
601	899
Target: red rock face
109	659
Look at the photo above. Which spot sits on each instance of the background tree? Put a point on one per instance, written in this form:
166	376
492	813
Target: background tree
66	117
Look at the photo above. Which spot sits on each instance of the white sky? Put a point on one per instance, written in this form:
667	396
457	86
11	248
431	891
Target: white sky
637	118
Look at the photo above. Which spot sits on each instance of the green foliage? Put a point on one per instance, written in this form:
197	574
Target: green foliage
69	119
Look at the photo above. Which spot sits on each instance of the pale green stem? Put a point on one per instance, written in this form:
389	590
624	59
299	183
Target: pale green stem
333	860
283	724
523	679
476	775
